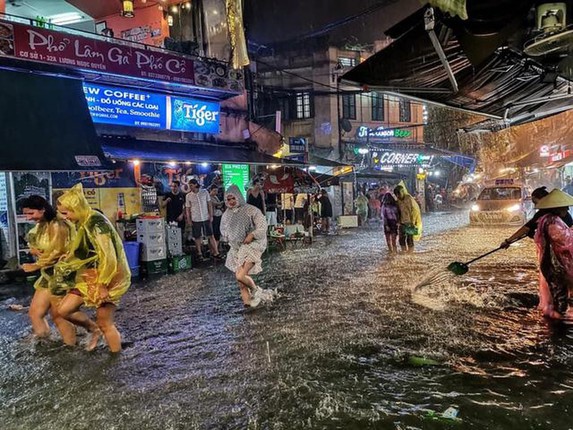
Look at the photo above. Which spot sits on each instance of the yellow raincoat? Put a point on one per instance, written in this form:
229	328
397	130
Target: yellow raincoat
96	254
410	211
49	241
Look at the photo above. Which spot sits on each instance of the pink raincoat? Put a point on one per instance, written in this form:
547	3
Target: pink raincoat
555	255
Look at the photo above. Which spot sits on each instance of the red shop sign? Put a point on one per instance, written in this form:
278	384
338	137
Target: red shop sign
53	47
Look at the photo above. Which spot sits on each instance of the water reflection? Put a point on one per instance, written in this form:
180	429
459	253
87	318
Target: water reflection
346	346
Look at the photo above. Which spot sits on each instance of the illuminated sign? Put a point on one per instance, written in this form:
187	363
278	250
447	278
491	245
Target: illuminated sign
136	108
364	132
544	151
407	159
236	174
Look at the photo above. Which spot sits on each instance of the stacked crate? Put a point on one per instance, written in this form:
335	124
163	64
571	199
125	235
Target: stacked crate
151	235
177	261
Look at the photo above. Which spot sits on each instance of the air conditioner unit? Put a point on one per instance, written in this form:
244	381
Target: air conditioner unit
551	17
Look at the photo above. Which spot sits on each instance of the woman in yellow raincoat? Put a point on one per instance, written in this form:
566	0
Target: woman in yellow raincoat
48	242
410	227
97	262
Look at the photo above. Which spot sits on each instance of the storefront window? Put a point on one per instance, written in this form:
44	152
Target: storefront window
303	105
216	28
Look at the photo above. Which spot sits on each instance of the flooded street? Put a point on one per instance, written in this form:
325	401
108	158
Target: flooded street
346	345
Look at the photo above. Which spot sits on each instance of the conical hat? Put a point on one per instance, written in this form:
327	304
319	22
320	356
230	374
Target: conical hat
555	199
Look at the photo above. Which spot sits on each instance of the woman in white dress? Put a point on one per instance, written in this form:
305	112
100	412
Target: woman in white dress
244	227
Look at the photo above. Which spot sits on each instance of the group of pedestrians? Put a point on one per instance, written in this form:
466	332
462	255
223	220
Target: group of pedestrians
199	212
81	262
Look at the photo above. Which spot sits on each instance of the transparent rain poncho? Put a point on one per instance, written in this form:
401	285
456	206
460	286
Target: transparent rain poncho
49	241
555	253
236	224
96	254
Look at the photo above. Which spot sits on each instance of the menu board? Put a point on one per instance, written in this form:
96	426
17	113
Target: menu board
236	174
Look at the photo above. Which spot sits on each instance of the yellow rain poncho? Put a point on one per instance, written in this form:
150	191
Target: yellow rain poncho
410	211
49	241
96	254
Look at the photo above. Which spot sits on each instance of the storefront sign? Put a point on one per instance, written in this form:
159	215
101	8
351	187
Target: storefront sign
65	49
544	151
408	159
121	177
193	115
236	174
136	108
368	133
297	145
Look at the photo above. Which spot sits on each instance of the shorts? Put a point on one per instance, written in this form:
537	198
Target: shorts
271	217
200	227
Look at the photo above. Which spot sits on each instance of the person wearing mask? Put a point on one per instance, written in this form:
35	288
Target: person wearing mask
199	215
410	223
174	205
554	240
256	195
97	264
529	229
244	228
49	241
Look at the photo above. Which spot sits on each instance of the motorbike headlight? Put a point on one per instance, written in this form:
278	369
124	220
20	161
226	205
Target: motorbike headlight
475	207
514	208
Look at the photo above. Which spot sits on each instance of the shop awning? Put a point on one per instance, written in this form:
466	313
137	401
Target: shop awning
160	152
46	125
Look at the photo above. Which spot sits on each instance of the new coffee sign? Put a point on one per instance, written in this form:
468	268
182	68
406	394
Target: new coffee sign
136	108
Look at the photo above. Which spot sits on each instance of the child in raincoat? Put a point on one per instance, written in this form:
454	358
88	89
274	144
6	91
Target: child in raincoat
49	240
97	262
410	227
554	242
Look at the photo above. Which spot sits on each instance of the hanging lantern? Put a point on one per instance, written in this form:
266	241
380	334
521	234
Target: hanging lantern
170	20
127	9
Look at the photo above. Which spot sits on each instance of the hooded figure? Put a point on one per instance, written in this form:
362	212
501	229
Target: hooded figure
96	256
244	227
555	250
410	218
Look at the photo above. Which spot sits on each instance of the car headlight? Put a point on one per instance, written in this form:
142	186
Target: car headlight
475	208
514	208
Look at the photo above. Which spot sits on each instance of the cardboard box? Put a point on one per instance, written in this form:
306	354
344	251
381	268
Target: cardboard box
153	268
348	221
179	263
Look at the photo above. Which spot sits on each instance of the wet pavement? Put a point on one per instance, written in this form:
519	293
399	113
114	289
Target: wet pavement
346	345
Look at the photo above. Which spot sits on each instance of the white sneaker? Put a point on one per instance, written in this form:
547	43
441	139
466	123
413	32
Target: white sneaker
256	297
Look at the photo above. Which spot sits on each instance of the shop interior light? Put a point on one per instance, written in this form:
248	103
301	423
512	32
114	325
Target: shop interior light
311	168
188	163
172	164
174	9
66	18
136	162
127	9
420	170
188	5
437	173
170	20
205	164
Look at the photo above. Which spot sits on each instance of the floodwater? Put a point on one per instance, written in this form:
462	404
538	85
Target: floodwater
346	345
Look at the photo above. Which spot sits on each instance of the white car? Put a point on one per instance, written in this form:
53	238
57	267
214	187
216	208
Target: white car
501	204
